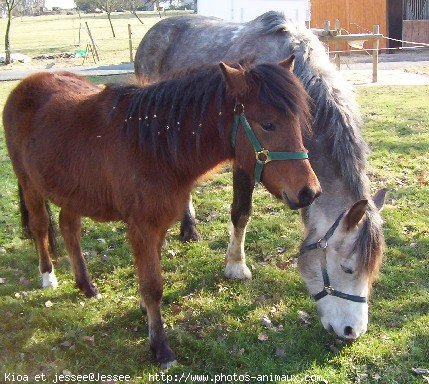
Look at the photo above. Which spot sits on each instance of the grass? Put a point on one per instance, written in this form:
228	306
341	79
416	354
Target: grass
213	323
34	36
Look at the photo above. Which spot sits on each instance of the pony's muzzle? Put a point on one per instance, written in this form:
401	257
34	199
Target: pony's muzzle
305	197
345	333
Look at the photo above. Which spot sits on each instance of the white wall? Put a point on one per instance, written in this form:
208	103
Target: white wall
246	10
64	4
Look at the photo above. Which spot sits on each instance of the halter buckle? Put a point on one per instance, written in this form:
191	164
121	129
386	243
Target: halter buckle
263	156
322	243
329	290
238	108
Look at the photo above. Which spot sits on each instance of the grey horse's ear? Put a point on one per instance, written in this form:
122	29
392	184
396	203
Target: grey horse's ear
289	63
355	214
235	79
379	198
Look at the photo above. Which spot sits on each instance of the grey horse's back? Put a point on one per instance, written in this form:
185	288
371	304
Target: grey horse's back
174	43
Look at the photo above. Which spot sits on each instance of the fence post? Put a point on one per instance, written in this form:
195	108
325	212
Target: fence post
327	29
375	46
130	42
92	41
337	44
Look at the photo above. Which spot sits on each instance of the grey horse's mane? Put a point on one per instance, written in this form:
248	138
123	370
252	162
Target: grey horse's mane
336	115
337	124
271	22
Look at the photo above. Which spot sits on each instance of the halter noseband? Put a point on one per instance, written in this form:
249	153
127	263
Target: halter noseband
263	156
327	289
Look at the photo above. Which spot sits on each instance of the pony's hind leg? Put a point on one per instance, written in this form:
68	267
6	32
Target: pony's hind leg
36	221
70	225
188	230
146	245
241	208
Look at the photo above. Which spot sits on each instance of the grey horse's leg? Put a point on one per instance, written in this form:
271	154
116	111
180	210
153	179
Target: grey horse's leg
241	209
188	230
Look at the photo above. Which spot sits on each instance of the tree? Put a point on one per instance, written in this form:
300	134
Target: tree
132	5
84	5
155	4
10	7
109	6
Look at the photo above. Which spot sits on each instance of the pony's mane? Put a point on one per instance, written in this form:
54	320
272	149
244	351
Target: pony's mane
336	122
271	22
162	106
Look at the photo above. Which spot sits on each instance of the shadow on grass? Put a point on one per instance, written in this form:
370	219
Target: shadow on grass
202	344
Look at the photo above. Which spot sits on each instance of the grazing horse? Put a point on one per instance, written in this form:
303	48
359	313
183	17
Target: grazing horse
338	152
133	154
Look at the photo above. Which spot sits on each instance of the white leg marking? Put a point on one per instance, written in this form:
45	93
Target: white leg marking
49	279
236	267
191	207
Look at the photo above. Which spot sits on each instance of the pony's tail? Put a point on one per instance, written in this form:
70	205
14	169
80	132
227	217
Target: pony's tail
25	224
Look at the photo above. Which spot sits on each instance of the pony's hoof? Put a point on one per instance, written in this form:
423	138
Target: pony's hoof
168	364
238	271
166	358
90	290
189	234
49	280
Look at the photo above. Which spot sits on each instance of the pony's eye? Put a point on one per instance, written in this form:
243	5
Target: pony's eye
268	126
347	269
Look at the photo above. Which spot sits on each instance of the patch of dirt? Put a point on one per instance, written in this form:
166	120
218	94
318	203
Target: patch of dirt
57	61
418	69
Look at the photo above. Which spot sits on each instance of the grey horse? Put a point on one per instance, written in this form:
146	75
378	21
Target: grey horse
343	244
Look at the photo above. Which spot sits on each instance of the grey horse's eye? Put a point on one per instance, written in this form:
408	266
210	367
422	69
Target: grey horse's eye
268	126
347	269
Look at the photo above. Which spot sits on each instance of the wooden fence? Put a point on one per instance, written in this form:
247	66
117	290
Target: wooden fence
355	16
415	30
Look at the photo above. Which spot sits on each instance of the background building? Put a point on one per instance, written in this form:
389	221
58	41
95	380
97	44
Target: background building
246	10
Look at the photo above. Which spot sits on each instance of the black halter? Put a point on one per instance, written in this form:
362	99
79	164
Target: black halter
327	289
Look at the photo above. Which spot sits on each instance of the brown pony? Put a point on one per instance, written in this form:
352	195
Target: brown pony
133	154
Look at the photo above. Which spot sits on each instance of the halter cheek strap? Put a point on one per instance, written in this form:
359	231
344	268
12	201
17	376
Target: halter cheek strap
263	156
327	288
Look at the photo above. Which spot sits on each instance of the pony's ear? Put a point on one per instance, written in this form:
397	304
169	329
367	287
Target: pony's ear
289	63
355	214
235	79
379	198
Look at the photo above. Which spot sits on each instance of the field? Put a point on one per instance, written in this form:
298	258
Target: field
214	324
54	34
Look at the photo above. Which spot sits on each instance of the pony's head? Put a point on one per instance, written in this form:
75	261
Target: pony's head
276	107
339	268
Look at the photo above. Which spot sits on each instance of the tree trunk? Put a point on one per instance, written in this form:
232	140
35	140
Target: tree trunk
157	8
6	39
138	18
195	6
111	25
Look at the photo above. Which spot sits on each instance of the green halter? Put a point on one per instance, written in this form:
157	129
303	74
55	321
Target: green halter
263	156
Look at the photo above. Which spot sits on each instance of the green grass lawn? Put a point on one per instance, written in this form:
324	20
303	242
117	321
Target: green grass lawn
213	323
33	36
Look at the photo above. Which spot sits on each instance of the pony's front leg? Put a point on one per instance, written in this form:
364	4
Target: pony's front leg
188	230
241	209
70	225
146	244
